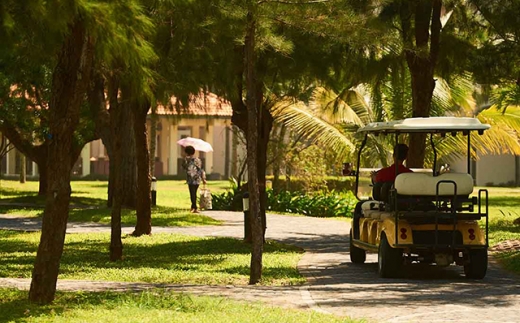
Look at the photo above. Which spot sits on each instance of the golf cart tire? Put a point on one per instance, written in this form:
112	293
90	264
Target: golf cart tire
478	263
357	255
390	260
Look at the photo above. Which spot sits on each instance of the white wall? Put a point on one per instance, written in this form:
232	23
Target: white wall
496	169
491	169
219	149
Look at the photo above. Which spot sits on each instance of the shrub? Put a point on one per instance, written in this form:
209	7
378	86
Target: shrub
331	183
230	200
320	204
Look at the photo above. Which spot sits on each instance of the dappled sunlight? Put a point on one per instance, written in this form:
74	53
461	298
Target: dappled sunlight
160	258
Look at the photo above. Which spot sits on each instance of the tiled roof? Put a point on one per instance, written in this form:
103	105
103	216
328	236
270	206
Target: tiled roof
204	104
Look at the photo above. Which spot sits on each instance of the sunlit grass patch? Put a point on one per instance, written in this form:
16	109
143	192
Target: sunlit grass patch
510	260
148	306
88	203
160	258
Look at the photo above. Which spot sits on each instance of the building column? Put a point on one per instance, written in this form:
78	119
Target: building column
209	139
85	160
172	156
35	169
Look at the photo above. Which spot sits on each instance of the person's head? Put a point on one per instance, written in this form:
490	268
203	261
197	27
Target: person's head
189	150
400	152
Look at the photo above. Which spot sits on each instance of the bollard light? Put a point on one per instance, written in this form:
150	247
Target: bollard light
154	191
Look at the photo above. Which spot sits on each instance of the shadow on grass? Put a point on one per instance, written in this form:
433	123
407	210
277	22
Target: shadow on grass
504	201
37	201
162	216
87	254
504	226
510	260
15	306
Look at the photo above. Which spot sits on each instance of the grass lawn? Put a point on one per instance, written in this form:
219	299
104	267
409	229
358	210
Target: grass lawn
173	205
88	202
149	306
159	258
504	208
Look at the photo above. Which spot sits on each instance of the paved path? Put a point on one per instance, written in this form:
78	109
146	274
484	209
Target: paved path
335	284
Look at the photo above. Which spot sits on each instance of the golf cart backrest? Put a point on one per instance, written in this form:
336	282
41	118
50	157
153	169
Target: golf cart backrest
420	184
381	191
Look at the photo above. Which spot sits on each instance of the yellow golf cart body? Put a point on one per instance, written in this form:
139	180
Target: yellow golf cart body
423	217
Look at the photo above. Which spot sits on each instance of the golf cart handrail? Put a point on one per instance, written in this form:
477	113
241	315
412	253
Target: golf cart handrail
426	125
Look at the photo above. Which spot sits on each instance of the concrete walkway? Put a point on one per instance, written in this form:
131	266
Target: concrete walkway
335	285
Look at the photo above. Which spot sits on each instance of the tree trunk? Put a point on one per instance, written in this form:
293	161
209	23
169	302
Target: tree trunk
421	59
128	158
153	139
143	197
70	79
264	131
23	169
113	101
129	163
102	118
277	164
252	151
43	177
234	154
117	122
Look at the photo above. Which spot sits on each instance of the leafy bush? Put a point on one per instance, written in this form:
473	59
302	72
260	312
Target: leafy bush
230	200
331	183
320	204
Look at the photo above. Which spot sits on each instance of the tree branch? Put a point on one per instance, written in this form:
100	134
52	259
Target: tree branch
436	28
294	2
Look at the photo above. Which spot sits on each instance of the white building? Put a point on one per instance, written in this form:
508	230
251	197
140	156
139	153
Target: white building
207	117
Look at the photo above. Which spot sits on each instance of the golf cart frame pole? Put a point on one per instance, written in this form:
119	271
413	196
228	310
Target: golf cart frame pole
469	152
396	143
363	143
395	193
434	169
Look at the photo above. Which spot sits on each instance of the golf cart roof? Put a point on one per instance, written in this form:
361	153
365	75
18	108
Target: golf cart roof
426	125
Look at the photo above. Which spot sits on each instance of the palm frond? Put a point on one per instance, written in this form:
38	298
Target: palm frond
506	96
297	116
348	107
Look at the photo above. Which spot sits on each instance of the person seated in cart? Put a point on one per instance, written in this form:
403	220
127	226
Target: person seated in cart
387	174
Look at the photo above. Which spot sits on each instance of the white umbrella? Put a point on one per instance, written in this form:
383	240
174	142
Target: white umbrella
196	143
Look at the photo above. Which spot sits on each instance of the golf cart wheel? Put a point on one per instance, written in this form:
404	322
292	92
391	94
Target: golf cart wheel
390	260
357	255
477	266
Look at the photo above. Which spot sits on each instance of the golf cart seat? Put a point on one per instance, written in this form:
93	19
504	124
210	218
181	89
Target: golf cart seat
420	184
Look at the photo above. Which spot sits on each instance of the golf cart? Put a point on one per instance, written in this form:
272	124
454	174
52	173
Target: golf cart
423	217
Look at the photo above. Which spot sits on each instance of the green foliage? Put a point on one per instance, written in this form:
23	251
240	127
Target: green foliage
231	200
154	306
331	183
322	204
317	204
510	260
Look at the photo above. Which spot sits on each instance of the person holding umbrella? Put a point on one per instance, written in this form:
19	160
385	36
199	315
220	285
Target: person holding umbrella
194	175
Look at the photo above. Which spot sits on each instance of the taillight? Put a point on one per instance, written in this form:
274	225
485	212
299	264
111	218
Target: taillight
471	234
403	233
